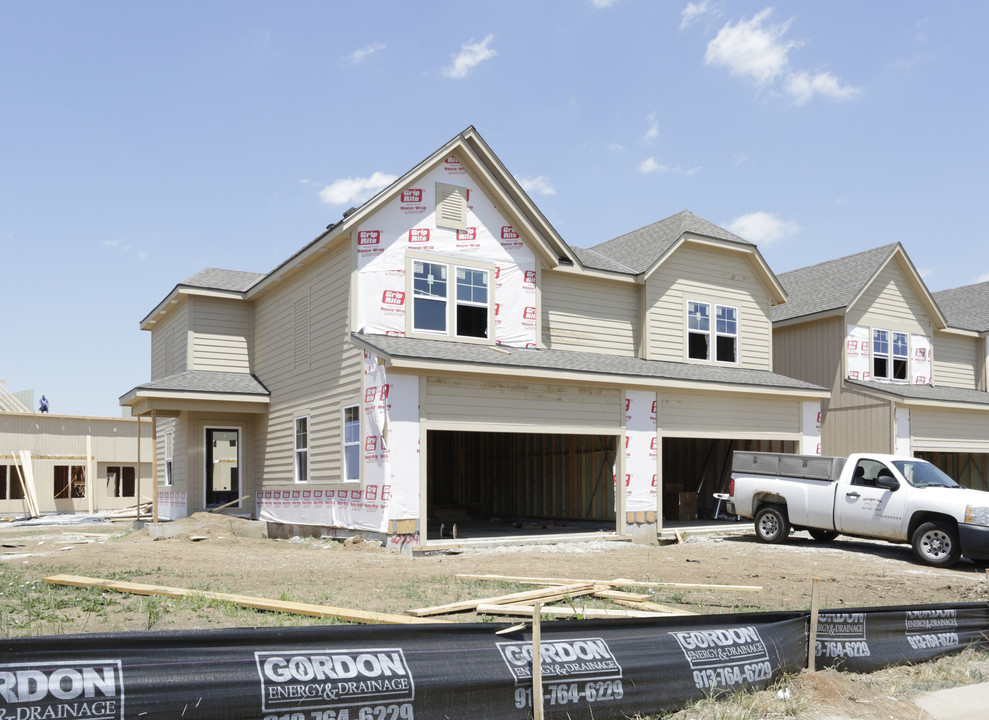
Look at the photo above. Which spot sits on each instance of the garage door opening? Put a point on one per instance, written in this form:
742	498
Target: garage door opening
514	484
694	469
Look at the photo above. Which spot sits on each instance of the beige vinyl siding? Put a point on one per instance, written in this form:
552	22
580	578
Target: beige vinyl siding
956	361
856	422
949	430
170	342
697	414
590	315
711	275
890	302
810	351
62	440
166	425
330	381
221	334
511	405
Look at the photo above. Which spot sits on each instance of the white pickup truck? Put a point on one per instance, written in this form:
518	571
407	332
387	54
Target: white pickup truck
899	499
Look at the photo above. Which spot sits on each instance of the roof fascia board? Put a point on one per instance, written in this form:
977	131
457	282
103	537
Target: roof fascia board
800	319
917	402
962	333
418	366
519	196
584	271
913	277
136	393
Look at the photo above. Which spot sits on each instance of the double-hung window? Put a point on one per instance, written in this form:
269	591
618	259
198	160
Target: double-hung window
699	332
302	449
169	452
450	299
352	442
890	355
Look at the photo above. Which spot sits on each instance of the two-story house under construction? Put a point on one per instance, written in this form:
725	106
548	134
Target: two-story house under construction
441	355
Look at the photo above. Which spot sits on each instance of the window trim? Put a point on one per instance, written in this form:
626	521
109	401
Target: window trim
169	454
452	264
890	355
297	451
712	332
344	443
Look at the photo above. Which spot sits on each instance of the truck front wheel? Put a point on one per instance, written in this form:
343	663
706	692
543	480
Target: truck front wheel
772	524
936	543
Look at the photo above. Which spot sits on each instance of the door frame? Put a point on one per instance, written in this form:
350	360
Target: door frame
240	460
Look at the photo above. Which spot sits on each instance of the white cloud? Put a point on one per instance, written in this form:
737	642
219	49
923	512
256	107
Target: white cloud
361	53
695	11
653	132
540	185
649	166
352	190
756	49
925	273
471	54
762	228
802	87
984	277
602	4
615	147
750	49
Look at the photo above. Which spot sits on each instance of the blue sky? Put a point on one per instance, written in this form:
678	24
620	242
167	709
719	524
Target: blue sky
143	142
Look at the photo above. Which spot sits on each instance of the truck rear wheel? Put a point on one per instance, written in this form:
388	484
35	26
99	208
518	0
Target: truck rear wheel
936	543
772	524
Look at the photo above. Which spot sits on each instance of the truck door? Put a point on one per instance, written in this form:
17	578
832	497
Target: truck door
863	508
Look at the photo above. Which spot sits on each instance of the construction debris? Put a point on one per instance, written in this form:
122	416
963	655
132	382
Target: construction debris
619	582
356	616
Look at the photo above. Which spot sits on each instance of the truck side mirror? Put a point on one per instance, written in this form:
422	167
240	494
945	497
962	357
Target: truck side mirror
887	482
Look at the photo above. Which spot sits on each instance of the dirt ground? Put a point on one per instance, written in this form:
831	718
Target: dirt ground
208	555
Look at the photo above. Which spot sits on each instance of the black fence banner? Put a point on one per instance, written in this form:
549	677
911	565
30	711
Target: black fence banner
590	669
867	639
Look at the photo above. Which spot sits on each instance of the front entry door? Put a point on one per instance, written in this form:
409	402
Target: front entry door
222	466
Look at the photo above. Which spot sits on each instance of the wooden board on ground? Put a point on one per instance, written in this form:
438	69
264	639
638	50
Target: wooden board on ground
579	612
655	607
619	582
358	616
551	594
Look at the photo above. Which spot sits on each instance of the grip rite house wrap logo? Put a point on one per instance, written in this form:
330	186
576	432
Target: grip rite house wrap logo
578	659
90	689
333	678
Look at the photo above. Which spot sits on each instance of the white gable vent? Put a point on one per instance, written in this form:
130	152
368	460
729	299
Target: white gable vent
451	206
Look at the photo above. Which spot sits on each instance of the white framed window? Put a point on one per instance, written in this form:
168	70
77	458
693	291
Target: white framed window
698	330
352	442
169	450
302	449
451	298
726	333
716	341
890	355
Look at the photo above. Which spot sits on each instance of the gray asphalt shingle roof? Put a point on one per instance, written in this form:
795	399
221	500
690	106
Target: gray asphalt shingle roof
829	285
209	381
219	279
967	307
566	360
937	393
637	251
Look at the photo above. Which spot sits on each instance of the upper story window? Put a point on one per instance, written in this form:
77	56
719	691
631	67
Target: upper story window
890	355
450	299
702	337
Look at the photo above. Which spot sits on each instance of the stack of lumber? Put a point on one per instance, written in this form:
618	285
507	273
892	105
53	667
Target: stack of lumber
567	590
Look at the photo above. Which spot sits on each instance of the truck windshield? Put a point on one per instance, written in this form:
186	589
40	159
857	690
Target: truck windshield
923	474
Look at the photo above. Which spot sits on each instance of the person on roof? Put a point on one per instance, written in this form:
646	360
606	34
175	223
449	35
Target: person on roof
43	407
